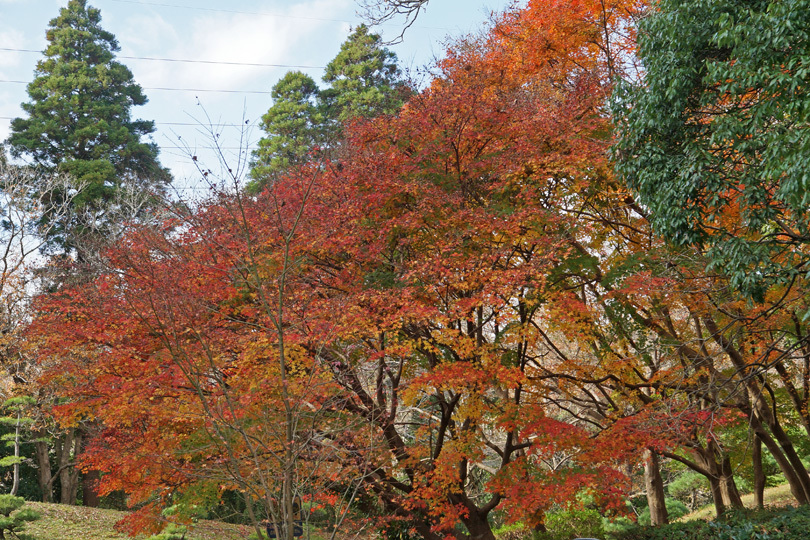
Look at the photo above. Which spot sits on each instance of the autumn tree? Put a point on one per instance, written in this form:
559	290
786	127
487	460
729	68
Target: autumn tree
205	320
451	247
79	122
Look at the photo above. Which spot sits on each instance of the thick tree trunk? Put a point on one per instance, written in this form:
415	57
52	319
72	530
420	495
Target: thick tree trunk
655	488
68	472
717	496
731	495
759	474
90	497
478	527
43	467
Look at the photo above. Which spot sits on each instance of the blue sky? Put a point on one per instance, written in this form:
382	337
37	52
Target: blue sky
283	32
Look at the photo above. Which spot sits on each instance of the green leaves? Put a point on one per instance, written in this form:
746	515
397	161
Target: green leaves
79	116
714	139
364	78
293	126
13	516
305	120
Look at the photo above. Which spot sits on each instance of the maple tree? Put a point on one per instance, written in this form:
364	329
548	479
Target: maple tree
412	299
467	312
181	354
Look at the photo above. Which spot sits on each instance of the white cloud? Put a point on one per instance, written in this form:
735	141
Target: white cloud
13	39
234	37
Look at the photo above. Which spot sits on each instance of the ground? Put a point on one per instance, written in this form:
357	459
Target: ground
62	522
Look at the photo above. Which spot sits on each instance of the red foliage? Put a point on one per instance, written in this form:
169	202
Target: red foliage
409	286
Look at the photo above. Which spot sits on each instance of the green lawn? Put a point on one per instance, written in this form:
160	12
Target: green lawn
61	522
774	497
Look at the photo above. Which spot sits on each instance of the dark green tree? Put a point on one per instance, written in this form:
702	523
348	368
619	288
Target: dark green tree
305	121
364	79
293	124
79	121
714	139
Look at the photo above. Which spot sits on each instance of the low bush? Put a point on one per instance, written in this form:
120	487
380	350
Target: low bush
171	532
572	523
781	524
13	516
675	509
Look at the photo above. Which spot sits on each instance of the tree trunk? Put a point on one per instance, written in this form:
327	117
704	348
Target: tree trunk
478	527
426	532
796	487
731	495
43	466
790	452
655	488
758	408
90	497
708	467
759	474
16	484
68	472
717	496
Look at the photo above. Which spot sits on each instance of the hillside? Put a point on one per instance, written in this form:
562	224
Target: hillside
61	522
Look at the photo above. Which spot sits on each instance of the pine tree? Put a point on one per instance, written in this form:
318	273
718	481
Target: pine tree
364	82
79	120
364	79
293	126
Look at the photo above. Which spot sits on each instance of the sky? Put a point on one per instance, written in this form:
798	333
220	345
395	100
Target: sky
214	34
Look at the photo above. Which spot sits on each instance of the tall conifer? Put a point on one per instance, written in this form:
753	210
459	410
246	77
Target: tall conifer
79	120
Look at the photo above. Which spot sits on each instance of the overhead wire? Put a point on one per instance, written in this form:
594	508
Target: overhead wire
187	60
264	13
193	124
165	88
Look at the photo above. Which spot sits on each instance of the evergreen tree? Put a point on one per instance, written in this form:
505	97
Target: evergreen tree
714	139
79	120
364	82
293	126
364	79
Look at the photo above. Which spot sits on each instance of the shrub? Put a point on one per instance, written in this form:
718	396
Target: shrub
781	524
573	523
675	509
171	532
13	516
513	531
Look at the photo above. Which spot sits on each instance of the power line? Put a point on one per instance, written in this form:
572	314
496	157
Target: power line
174	89
188	61
193	124
264	13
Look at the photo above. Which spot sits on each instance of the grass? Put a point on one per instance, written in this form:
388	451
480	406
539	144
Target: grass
777	496
62	522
